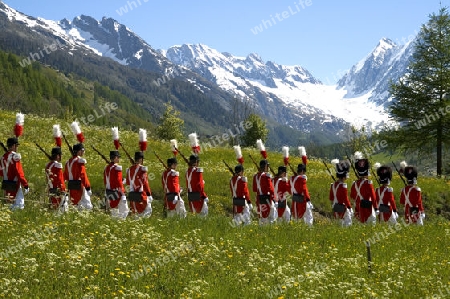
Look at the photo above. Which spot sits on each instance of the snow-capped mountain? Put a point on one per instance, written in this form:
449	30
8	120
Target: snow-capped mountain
291	86
370	77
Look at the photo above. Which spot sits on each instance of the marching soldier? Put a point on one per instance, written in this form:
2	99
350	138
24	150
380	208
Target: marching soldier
265	193
282	187
115	192
140	195
242	204
55	181
301	201
385	196
13	177
363	193
198	200
411	197
171	186
78	181
342	208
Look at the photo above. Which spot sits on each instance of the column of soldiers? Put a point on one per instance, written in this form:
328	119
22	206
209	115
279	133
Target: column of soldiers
374	203
370	203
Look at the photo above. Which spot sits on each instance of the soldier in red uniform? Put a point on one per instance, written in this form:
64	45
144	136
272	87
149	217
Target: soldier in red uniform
171	186
342	208
300	195
140	195
385	196
13	177
116	200
363	193
78	181
282	187
411	197
242	204
198	200
55	181
263	187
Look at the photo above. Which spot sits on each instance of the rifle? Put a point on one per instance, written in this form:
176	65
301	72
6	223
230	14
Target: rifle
183	156
395	166
42	150
126	152
329	171
228	166
161	161
100	154
376	177
68	144
4	147
254	162
292	169
353	166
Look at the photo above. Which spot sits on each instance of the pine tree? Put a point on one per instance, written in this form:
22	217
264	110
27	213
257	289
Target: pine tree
170	126
257	130
420	97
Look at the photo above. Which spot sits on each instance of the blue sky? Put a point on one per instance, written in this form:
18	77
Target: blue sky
326	37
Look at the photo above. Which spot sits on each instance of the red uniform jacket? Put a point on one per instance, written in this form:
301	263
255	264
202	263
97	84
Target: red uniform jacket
171	185
299	187
385	196
239	189
75	170
137	179
262	185
195	183
366	191
12	171
411	197
281	187
112	179
55	180
338	194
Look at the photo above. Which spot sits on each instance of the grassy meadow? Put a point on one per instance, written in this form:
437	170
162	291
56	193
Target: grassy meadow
89	255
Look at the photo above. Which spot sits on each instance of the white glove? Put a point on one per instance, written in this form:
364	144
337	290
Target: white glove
377	211
181	190
422	215
26	190
250	207
175	201
206	200
150	198
89	192
351	211
310	205
123	198
275	204
124	181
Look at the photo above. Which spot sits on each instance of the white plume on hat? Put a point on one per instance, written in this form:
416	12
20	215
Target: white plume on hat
238	153
335	161
302	151
56	131
18	127
173	145
57	135
260	145
285	150
358	155
403	164
115	136
142	140
193	140
76	130
377	165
